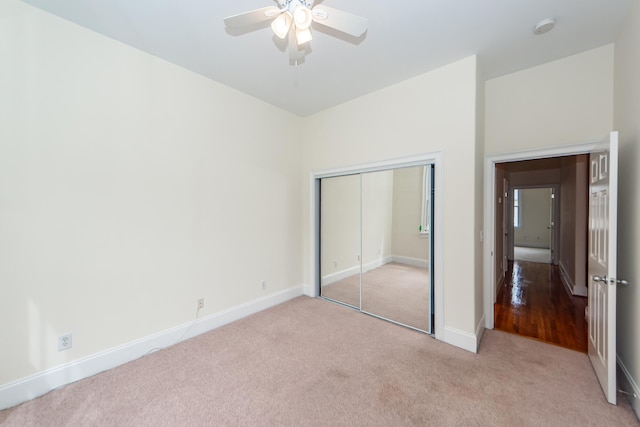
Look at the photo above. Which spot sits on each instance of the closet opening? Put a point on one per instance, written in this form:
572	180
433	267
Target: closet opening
375	242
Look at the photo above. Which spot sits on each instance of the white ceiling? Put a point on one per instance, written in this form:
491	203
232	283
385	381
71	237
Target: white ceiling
404	39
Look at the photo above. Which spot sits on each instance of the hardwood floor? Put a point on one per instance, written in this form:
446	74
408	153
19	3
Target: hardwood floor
533	302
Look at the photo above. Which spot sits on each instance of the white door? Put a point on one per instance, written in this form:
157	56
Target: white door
603	211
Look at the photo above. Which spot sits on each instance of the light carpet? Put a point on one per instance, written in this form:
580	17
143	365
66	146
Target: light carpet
309	362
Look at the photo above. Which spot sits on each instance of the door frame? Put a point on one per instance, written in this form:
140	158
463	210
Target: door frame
435	158
490	214
553	214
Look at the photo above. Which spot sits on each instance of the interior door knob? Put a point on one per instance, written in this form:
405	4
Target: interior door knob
622	282
599	279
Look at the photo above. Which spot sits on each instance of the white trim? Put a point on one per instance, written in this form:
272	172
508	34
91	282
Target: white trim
314	226
343	274
376	264
480	331
309	290
437	160
25	389
568	283
339	275
465	340
629	385
461	339
490	215
416	262
401	162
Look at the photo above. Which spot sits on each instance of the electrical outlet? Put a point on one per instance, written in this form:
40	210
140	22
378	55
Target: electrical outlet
200	303
64	342
264	285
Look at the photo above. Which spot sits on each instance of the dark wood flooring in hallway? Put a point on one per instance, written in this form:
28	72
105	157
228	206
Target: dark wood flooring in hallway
533	302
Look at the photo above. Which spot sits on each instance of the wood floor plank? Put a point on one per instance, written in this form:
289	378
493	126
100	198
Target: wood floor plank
533	302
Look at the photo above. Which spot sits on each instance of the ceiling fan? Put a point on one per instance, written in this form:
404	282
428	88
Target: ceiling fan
294	18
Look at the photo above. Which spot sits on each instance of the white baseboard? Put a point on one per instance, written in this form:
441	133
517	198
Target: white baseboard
309	290
628	384
568	283
25	389
416	262
339	275
461	339
376	263
480	331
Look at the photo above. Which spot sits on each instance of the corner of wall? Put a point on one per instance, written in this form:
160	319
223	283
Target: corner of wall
465	340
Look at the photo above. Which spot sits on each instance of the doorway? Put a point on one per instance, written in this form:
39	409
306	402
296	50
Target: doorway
540	296
533	222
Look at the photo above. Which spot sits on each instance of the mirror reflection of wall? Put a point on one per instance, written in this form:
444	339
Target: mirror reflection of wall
340	238
384	219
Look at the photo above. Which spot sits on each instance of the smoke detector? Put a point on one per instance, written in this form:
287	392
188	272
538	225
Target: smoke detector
544	26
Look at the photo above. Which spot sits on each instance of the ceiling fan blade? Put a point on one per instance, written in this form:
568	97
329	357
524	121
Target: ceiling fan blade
339	20
252	17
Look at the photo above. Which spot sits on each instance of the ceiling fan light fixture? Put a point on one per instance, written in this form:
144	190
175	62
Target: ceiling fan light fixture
303	36
282	24
302	17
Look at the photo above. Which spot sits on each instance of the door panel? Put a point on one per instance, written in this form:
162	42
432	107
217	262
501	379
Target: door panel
603	199
396	279
340	239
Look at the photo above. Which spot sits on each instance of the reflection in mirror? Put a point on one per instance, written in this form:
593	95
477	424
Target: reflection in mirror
396	279
340	239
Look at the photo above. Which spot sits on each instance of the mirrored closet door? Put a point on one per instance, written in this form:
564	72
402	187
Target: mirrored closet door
376	243
340	239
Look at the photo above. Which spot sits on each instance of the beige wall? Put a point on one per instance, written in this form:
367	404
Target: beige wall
432	112
377	222
568	101
478	241
535	205
129	188
340	225
627	122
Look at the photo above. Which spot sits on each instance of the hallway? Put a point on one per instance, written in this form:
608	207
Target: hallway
533	302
